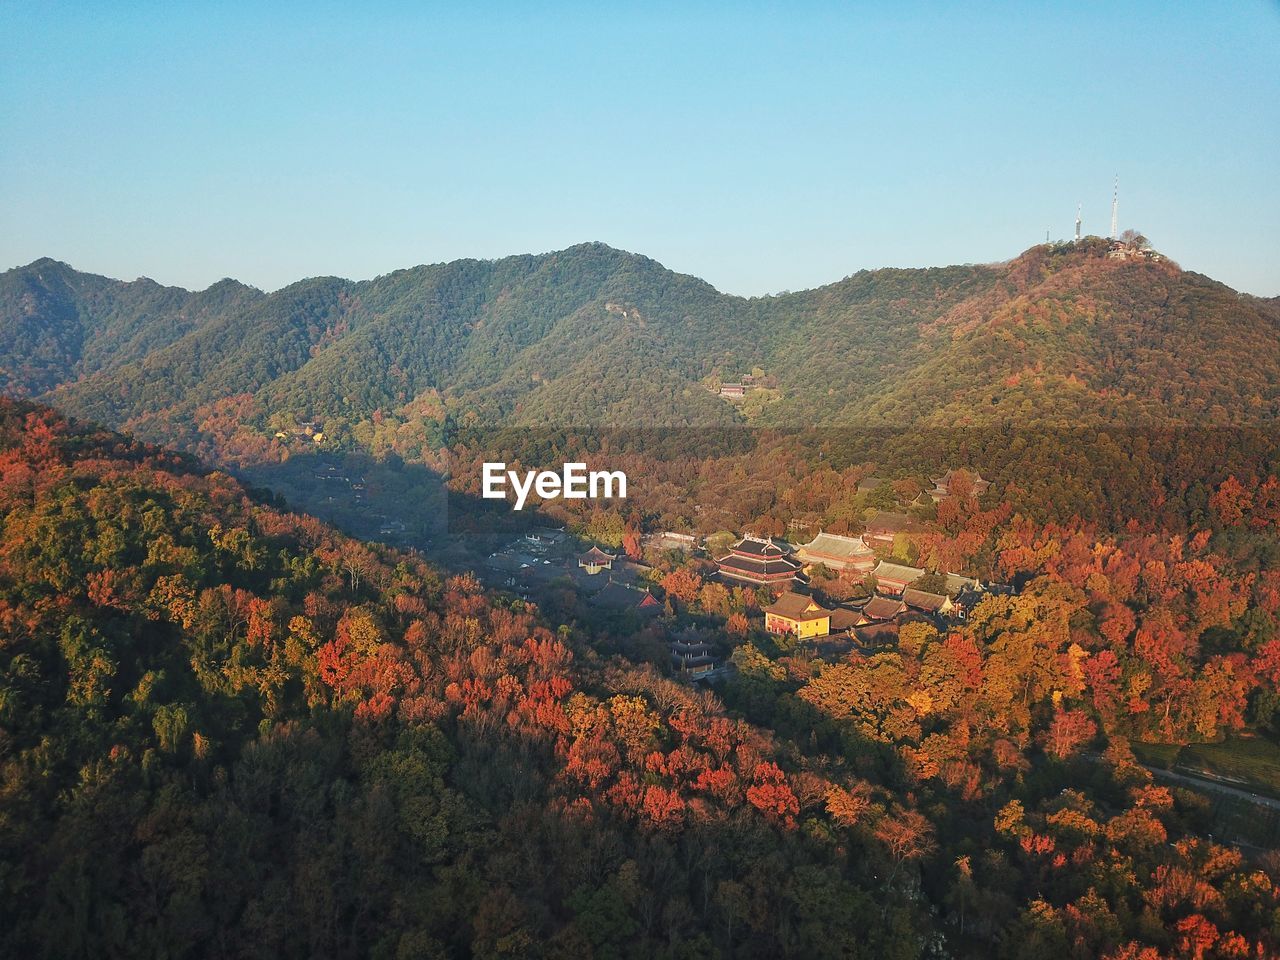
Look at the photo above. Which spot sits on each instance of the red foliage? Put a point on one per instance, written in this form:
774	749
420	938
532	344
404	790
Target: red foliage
683	584
663	808
771	794
1231	502
721	783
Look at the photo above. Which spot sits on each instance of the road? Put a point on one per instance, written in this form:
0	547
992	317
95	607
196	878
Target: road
1213	786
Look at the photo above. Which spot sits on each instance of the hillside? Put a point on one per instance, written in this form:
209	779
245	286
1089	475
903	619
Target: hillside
1070	338
229	730
598	337
58	325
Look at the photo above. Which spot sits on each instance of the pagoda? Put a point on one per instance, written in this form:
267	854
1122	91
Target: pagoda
942	485
595	560
753	562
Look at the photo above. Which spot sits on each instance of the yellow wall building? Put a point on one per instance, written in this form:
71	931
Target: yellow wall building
797	615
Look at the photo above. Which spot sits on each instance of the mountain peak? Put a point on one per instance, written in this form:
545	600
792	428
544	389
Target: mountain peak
43	265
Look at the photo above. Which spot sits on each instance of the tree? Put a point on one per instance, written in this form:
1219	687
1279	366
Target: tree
1133	239
683	583
907	836
631	544
1069	730
1231	502
772	795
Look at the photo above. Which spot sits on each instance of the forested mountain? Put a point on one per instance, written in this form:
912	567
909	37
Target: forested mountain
595	336
58	325
226	730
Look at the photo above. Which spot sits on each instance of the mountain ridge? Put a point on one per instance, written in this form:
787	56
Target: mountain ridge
593	335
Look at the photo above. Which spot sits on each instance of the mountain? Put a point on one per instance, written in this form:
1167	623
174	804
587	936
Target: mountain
59	325
1071	335
595	336
1084	379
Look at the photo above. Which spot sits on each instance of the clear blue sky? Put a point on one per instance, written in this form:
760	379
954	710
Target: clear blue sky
760	146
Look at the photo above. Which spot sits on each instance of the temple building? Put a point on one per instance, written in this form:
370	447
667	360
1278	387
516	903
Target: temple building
797	615
671	540
884	526
752	562
957	584
595	560
934	603
964	600
882	610
691	655
893	578
546	536
845	618
620	597
942	485
838	553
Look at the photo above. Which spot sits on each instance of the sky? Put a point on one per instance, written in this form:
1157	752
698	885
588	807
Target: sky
760	146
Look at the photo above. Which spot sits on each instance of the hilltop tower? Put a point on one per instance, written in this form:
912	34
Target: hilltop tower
1079	207
1115	209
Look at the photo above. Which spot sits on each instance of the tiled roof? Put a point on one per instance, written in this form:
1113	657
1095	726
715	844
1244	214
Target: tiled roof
755	547
897	571
957	583
929	602
883	608
619	597
737	578
842	618
795	606
835	546
759	566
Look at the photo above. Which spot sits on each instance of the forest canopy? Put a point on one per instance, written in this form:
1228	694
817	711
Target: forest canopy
225	728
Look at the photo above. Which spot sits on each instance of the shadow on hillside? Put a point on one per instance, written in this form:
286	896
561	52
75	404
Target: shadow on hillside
406	505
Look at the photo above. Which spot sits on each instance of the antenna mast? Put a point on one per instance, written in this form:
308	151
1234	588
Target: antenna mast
1079	207
1115	208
